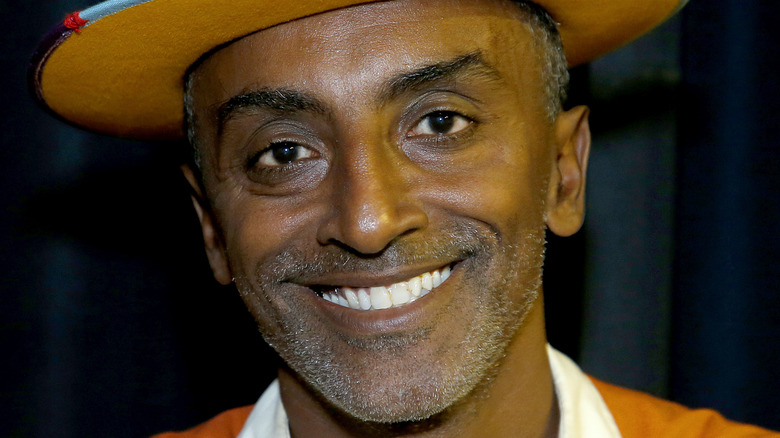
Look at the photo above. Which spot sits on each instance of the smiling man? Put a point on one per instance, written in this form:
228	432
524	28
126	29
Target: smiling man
376	179
379	189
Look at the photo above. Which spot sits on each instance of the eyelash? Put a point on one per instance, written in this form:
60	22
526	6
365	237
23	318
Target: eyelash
276	177
453	141
456	120
276	146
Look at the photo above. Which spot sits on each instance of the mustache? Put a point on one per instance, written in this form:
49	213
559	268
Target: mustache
299	265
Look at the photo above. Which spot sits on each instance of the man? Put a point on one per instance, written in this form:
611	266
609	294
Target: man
376	179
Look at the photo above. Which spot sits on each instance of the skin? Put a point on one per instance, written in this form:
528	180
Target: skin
374	195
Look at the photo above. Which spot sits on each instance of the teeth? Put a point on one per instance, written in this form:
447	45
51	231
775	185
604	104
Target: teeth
384	297
380	299
399	294
364	300
445	273
415	286
427	281
436	278
352	298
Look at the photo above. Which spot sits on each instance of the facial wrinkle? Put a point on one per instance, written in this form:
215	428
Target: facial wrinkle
303	267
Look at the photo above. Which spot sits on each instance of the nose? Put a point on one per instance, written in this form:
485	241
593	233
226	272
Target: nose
371	204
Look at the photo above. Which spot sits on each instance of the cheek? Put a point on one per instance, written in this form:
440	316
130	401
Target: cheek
504	188
256	232
257	228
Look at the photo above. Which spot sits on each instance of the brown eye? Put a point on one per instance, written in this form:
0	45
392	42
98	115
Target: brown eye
440	123
282	153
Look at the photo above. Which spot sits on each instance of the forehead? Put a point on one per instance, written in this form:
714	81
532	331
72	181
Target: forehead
348	51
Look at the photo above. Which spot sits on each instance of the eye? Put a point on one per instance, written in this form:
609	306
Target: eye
281	154
440	123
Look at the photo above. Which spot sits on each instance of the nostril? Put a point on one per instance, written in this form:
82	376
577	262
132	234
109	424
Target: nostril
369	234
370	208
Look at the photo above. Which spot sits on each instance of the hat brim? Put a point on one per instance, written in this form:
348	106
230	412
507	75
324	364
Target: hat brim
122	73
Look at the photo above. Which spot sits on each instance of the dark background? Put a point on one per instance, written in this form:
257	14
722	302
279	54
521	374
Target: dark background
111	324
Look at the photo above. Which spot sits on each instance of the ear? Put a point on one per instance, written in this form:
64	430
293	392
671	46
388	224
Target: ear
212	239
566	194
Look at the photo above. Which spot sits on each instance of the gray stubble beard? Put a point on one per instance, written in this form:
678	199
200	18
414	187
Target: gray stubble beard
413	394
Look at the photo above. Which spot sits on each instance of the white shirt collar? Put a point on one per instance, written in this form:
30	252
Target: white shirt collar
583	412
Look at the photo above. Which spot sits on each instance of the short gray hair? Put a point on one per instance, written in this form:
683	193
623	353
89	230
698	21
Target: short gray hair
189	118
547	41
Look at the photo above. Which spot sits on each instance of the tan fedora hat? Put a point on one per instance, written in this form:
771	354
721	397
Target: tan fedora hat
117	67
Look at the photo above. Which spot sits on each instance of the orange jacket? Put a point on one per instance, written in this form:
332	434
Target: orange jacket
641	415
637	415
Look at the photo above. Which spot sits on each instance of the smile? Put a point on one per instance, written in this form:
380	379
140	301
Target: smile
385	297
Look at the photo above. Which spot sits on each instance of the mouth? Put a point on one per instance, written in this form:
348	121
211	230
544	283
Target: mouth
384	297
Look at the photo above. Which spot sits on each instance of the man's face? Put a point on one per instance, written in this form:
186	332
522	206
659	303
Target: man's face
349	155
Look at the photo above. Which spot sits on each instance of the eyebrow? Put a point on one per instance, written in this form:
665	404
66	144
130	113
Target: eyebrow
471	63
287	101
282	101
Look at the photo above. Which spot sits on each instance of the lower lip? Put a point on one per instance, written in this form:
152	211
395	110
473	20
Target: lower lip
395	319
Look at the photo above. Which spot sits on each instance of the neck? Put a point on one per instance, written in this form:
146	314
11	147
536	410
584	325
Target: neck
518	401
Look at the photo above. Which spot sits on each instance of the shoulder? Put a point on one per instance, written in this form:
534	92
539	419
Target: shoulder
642	415
226	424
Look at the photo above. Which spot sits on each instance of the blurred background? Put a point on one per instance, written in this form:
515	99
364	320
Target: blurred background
111	324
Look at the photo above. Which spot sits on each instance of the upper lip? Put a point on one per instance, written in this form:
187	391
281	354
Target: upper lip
371	278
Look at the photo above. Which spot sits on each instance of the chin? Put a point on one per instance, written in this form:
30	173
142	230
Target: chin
396	402
413	382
